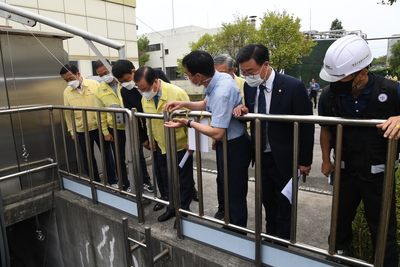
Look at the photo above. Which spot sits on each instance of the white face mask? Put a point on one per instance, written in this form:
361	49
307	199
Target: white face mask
149	95
194	84
128	85
74	84
108	78
255	80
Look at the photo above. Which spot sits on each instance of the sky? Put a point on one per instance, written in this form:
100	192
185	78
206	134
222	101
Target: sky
371	18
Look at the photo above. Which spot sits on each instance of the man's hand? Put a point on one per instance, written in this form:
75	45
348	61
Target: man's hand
176	123
391	127
240	110
146	144
189	150
214	145
304	171
327	168
109	138
73	137
173	105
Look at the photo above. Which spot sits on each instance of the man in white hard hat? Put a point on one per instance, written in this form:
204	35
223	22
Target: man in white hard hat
354	92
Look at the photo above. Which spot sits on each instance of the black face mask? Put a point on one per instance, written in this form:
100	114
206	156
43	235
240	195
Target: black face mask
342	88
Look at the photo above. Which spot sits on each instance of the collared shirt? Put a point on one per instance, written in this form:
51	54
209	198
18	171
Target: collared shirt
269	84
356	106
105	97
169	93
73	97
222	97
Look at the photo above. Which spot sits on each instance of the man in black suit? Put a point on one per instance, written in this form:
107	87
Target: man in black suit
275	93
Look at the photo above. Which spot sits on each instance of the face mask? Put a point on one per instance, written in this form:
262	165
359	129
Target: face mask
74	84
194	84
128	85
254	80
149	95
344	88
108	78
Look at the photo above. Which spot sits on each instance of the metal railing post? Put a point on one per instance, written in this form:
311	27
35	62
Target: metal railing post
258	194
199	171
125	229
226	176
336	191
89	156
134	153
387	196
295	182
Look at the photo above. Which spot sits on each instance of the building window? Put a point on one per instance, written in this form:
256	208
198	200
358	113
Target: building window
166	51
74	62
94	73
172	73
153	47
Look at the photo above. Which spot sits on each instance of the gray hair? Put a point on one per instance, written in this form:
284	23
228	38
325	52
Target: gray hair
222	58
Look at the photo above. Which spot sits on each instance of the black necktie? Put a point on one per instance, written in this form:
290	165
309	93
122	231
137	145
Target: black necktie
262	109
156	97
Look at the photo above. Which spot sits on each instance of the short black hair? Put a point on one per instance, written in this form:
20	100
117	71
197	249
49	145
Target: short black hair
99	64
257	51
69	68
146	73
199	62
122	67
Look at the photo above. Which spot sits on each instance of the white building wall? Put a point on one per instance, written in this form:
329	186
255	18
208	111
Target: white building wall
107	19
176	41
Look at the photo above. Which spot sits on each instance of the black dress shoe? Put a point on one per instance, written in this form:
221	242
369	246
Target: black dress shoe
166	216
195	195
220	214
158	207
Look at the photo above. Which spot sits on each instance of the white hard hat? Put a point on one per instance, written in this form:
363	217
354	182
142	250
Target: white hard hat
345	56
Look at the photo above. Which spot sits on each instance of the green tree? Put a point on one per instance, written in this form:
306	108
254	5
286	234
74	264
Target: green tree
280	33
388	2
143	43
336	25
206	43
394	60
379	61
233	36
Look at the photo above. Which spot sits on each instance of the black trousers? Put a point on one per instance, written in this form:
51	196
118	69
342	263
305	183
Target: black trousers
313	95
121	146
110	165
239	156
186	181
352	191
277	207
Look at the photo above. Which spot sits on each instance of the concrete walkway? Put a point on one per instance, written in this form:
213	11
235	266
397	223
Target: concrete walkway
313	213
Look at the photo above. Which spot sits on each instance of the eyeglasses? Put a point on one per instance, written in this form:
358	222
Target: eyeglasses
249	72
145	89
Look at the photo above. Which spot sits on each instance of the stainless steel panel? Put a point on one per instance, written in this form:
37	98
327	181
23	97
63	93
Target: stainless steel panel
29	76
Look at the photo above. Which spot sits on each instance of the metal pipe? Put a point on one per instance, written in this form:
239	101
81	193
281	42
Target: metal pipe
102	151
61	26
63	131
77	149
125	231
387	196
226	176
258	195
199	172
89	156
53	133
295	182
135	141
117	152
149	244
32	170
336	192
